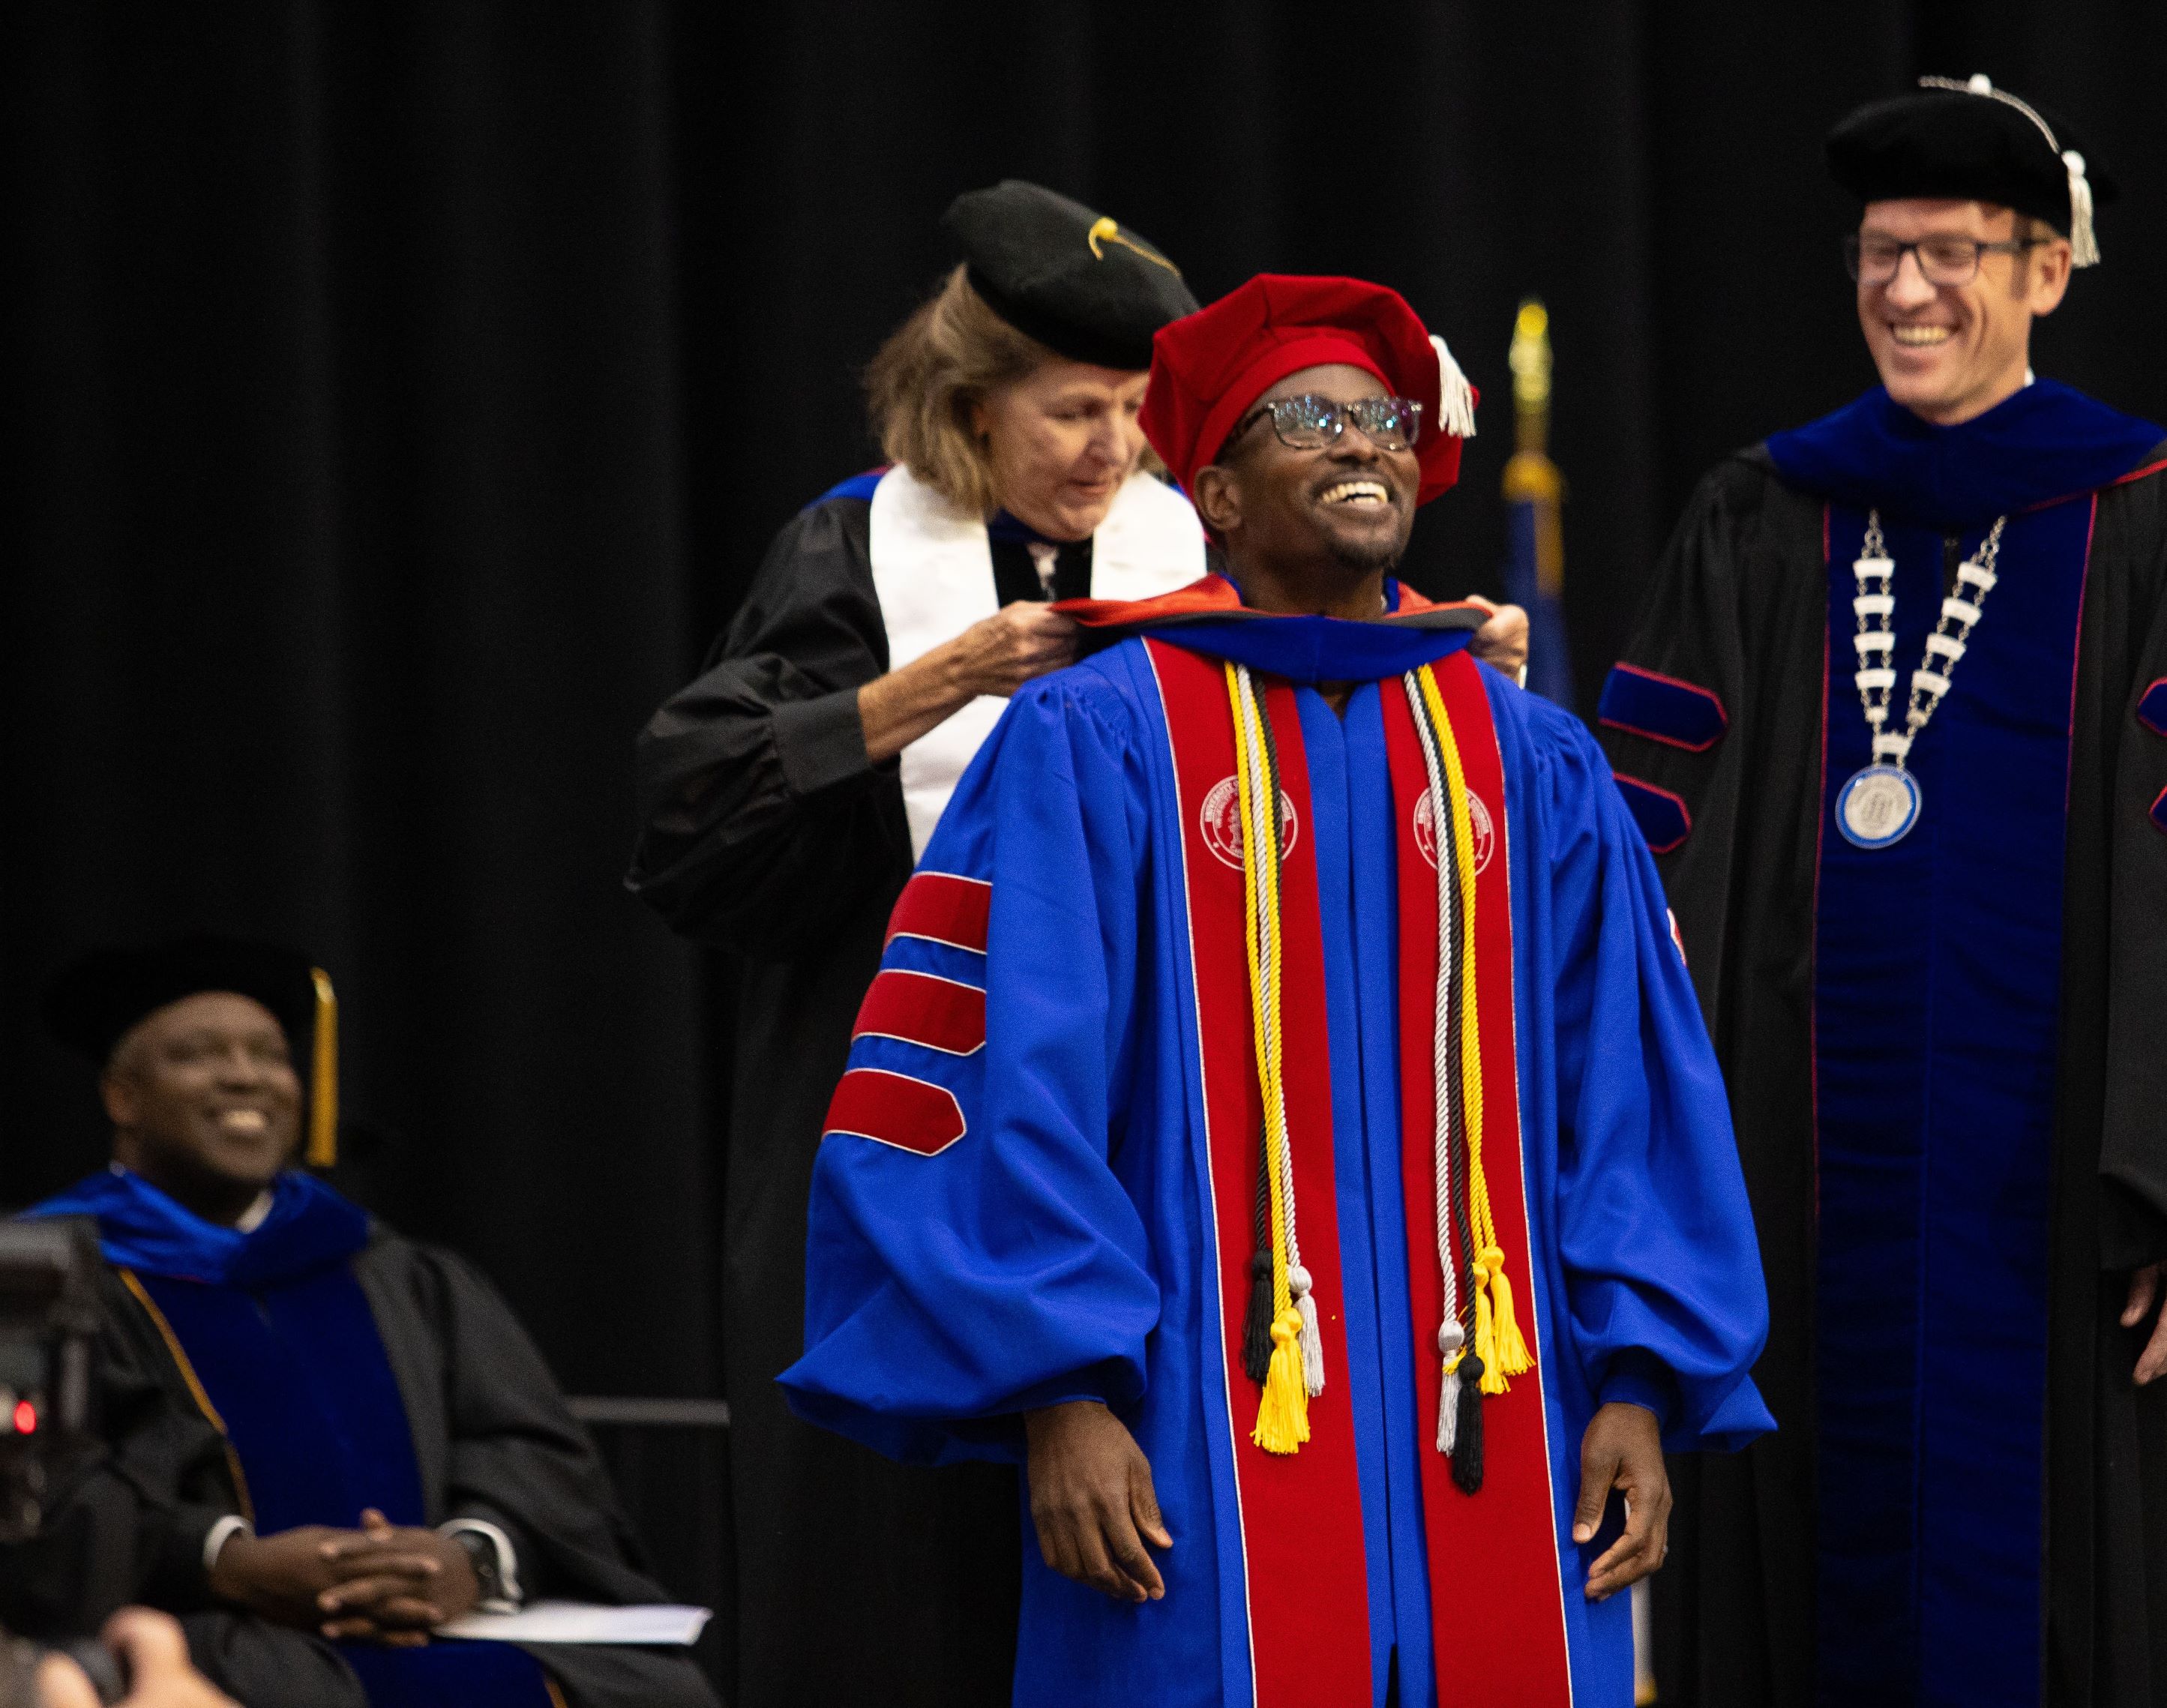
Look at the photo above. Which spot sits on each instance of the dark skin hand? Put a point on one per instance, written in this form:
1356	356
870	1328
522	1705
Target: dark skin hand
396	1582
280	1577
1092	1500
1623	1449
380	1582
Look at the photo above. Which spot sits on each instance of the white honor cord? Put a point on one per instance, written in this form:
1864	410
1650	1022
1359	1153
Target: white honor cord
1875	607
1451	1336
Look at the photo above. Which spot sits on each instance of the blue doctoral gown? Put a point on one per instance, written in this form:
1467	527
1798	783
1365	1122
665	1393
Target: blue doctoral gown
1943	1055
1058	1250
1936	1007
279	1338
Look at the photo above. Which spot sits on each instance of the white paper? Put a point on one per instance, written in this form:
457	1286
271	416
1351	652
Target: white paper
584	1622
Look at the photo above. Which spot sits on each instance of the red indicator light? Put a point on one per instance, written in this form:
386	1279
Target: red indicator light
26	1418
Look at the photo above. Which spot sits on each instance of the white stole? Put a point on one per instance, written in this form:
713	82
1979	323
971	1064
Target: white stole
933	570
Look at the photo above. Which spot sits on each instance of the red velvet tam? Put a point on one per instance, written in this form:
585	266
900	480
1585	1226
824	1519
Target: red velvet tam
1209	369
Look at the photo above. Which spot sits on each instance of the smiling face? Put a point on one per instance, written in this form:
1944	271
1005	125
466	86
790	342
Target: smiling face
1285	515
204	1102
1060	441
1948	352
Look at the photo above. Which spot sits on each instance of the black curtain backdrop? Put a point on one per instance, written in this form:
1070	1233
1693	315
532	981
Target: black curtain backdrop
402	393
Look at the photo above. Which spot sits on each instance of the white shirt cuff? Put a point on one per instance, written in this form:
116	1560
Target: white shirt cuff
507	1562
219	1535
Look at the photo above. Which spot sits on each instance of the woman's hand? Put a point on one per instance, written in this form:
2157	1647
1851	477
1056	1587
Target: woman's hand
996	657
1092	1500
1005	650
1502	641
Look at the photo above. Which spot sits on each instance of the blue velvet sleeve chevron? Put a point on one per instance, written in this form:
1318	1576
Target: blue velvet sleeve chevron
1662	709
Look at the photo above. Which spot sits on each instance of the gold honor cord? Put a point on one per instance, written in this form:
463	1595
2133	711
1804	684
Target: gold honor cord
1499	1342
323	1076
1282	1411
196	1390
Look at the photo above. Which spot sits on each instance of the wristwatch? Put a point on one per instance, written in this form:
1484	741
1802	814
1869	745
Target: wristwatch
481	1552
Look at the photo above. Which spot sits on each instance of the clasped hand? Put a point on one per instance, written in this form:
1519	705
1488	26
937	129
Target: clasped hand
382	1583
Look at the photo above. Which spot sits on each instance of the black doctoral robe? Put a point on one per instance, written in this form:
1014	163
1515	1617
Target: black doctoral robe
1740	611
766	830
492	1439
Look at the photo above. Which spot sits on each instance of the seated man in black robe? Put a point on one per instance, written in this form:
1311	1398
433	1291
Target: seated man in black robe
320	1439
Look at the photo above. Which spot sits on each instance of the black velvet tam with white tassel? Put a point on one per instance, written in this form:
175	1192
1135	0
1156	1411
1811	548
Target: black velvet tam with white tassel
1970	142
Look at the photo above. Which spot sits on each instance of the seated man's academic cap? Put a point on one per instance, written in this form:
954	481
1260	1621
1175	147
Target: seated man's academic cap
93	1004
1970	142
1080	283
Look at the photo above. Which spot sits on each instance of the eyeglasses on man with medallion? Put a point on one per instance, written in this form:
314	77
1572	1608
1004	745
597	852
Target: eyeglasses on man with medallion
1873	260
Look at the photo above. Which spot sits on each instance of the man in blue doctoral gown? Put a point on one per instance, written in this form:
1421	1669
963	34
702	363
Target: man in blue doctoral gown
1362	1453
1895	724
317	1441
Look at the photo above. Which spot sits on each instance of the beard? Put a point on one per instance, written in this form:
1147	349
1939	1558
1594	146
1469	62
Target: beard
1366	559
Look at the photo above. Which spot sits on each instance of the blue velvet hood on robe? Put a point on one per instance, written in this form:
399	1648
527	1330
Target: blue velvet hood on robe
141	1228
2048	441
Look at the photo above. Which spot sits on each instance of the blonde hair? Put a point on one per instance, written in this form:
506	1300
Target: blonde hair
920	387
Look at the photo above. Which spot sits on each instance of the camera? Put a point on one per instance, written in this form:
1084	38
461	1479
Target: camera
49	1319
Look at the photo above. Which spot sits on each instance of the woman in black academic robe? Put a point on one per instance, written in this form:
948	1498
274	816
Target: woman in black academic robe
783	794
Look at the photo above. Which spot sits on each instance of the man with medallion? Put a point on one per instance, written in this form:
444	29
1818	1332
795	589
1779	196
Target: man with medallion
1895	725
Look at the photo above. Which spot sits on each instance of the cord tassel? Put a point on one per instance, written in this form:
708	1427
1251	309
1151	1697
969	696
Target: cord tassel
1512	1358
1455	397
2084	242
323	1078
1451	1342
1467	1444
1283	1414
1257	1328
1486	1339
1312	1339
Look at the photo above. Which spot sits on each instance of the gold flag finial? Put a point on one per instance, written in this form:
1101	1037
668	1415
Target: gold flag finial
1530	357
323	1076
1530	476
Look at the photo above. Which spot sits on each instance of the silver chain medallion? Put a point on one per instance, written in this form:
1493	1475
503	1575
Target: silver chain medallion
1878	805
